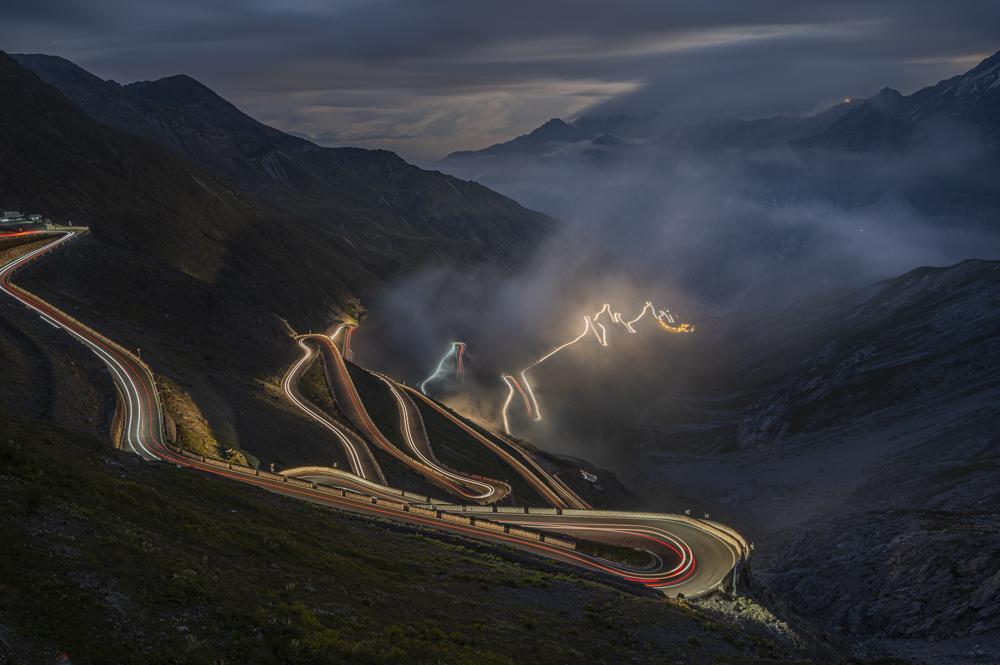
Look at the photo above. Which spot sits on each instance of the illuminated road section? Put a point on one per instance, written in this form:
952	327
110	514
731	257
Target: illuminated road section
688	556
142	427
350	403
405	408
362	463
590	324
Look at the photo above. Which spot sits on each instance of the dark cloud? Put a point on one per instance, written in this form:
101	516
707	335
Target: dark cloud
455	75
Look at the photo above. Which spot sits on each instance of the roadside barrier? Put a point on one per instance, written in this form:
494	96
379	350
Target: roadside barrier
559	542
422	511
451	517
523	533
488	524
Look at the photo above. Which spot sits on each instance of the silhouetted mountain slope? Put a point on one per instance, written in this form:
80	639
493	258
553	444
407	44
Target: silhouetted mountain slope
375	199
891	121
745	213
202	275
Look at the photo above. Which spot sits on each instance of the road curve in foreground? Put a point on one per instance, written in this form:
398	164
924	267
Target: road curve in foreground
363	464
687	556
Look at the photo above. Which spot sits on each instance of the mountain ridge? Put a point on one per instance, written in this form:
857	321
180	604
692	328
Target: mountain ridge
373	196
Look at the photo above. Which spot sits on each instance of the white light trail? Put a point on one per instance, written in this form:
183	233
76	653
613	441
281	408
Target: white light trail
590	323
457	350
490	490
288	388
132	429
440	368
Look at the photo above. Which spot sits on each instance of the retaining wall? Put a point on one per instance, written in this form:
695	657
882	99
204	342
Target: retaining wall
449	517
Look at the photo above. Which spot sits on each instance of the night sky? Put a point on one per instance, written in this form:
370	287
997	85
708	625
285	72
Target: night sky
428	77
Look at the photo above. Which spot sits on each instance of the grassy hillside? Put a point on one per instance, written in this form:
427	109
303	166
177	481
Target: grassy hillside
111	559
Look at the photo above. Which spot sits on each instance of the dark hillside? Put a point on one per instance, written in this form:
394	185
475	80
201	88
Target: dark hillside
202	275
376	201
113	560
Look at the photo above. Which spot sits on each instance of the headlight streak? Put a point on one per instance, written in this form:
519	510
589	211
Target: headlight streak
461	375
457	350
408	434
356	467
347	338
376	435
657	579
510	396
137	384
649	306
440	367
347	343
545	492
591	323
116	364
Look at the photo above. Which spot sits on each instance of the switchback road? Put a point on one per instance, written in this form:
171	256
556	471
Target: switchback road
688	556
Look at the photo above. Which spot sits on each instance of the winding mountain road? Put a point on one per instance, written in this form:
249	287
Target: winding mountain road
687	556
480	490
363	464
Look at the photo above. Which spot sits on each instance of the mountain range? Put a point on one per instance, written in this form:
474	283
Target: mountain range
741	212
210	278
382	206
809	399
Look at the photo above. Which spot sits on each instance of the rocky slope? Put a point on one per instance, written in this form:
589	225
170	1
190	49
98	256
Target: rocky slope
881	397
921	574
861	425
